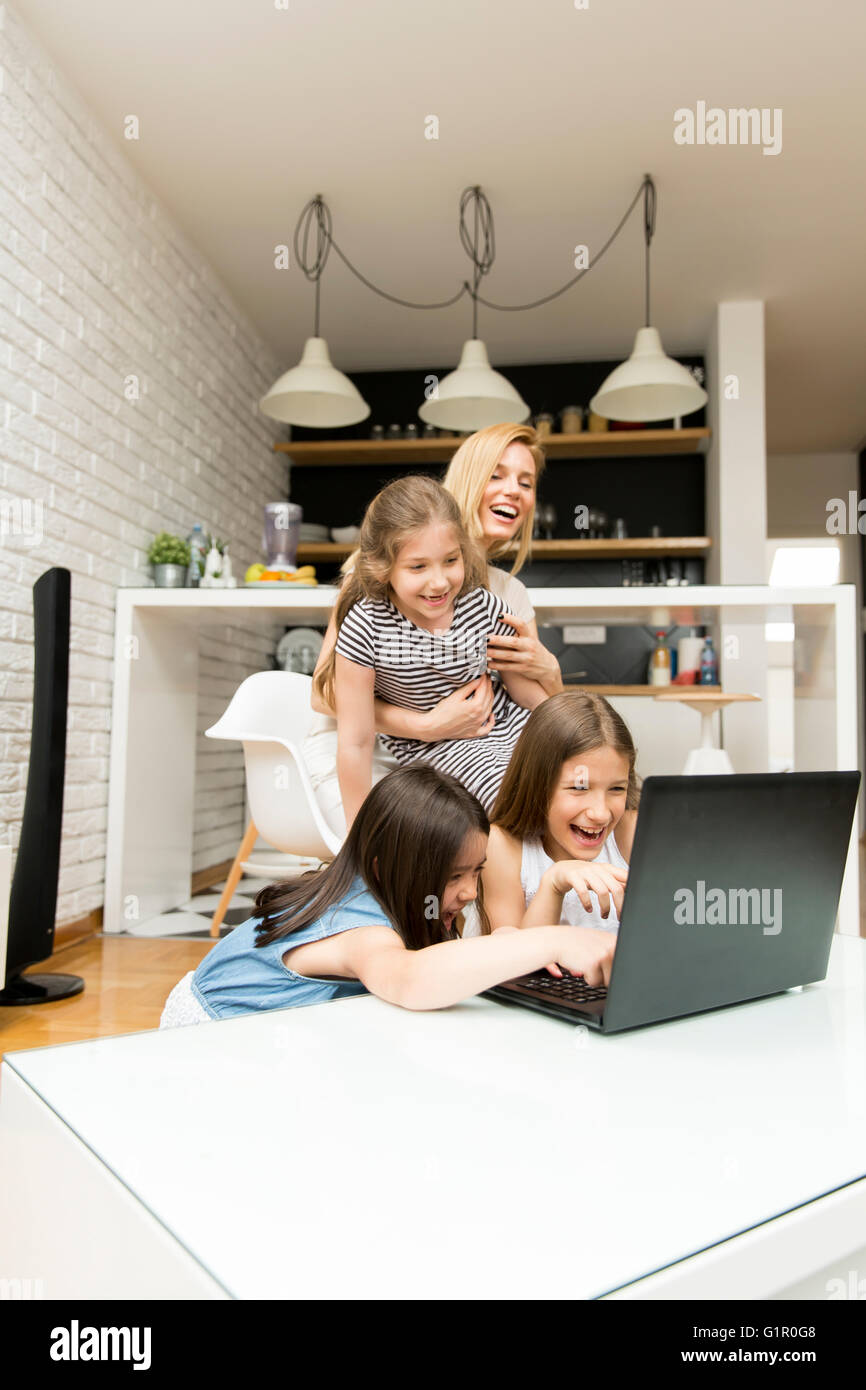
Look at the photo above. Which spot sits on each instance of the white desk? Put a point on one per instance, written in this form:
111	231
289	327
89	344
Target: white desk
153	731
355	1149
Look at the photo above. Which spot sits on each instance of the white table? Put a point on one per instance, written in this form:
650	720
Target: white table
151	805
356	1149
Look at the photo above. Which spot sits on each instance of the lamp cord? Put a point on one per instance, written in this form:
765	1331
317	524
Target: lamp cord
649	226
480	246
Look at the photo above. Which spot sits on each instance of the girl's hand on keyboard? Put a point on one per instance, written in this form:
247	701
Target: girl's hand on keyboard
585	951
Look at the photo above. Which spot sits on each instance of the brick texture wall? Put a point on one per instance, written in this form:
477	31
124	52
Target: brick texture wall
97	287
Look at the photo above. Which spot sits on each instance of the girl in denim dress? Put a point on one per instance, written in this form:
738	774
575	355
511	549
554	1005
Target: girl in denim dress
384	917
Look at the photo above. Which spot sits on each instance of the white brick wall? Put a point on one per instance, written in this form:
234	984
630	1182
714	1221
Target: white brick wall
97	284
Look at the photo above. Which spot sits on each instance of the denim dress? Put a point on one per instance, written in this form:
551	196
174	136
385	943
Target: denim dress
237	977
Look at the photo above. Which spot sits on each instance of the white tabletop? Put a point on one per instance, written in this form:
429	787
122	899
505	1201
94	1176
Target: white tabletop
356	1149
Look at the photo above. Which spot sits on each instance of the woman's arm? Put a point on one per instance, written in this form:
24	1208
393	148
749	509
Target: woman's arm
356	734
503	894
524	692
525	655
444	974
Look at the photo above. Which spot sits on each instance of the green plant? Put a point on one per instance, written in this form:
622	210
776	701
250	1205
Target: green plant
166	549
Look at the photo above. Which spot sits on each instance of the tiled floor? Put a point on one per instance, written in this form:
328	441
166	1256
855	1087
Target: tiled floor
191	921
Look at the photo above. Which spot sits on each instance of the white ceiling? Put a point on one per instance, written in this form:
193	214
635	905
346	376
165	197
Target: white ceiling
246	111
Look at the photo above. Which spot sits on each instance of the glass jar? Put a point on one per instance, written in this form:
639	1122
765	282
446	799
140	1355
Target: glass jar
544	425
571	419
597	424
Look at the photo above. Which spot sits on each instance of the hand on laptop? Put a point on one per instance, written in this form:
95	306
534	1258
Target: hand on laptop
585	951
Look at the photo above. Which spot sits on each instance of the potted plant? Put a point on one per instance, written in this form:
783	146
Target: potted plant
169	556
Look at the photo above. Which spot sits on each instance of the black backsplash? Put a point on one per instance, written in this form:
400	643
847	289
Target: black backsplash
659	490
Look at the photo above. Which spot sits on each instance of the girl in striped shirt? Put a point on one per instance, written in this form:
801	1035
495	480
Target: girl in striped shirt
413	619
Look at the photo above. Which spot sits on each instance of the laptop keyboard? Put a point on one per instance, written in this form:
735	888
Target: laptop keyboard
572	988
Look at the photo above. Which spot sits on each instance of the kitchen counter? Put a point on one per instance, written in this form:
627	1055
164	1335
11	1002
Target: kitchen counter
149	854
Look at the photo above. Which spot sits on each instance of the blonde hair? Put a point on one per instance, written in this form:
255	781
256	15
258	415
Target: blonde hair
396	513
471	469
565	726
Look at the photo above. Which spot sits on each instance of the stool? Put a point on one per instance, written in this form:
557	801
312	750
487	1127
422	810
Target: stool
708	758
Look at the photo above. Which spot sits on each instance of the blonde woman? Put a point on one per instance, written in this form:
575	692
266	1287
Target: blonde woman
493	477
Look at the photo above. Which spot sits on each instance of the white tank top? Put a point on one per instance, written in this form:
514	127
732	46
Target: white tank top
534	862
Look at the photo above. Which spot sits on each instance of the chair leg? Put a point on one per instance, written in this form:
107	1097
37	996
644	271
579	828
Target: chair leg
244	849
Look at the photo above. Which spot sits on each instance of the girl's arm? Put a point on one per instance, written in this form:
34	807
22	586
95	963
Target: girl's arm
356	734
444	974
503	894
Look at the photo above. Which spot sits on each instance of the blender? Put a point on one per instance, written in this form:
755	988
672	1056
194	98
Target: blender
281	534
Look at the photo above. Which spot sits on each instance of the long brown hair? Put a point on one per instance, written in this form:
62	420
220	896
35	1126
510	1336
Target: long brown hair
563	727
471	469
403	843
395	514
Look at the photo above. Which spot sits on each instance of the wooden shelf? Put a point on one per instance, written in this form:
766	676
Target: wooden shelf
612	444
635	547
655	690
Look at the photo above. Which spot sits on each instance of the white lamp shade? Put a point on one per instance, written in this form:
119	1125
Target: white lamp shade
474	396
314	393
649	386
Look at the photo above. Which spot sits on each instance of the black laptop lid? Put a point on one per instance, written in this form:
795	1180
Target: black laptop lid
733	889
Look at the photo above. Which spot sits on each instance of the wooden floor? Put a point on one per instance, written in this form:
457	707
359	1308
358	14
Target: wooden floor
126	983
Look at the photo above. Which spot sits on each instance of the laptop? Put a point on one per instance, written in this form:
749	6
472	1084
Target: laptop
732	895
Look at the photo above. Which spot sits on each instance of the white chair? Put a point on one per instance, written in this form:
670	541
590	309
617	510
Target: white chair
269	714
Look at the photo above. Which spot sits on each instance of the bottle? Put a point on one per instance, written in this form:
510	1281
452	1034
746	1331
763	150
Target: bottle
689	651
709	664
197	555
660	662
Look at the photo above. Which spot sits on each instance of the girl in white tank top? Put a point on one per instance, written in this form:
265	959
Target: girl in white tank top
564	819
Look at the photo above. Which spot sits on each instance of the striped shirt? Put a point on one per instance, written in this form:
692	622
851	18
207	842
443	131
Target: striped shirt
416	669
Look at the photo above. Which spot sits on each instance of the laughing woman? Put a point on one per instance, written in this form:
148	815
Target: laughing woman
493	476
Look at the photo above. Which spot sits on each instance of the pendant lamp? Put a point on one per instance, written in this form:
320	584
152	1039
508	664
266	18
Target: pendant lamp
314	394
474	395
650	385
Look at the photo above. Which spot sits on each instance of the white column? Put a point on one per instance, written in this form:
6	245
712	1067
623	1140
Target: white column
736	482
152	773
